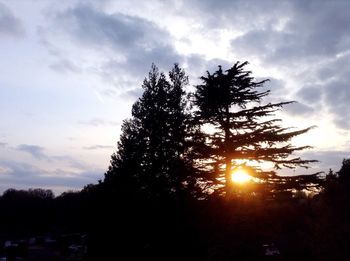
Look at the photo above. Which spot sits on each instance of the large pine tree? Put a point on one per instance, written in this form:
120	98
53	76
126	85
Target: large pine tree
151	151
240	130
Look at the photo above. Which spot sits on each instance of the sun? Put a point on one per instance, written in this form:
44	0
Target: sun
240	176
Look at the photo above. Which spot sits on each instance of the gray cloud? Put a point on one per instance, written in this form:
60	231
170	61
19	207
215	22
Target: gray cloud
197	65
3	144
298	109
303	37
38	153
72	162
212	64
262	43
323	31
330	89
119	31
98	147
9	24
313	49
23	175
139	41
34	150
276	86
127	76
327	159
311	94
338	97
234	14
64	65
134	43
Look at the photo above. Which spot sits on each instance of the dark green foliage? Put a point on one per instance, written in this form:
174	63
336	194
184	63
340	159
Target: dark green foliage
344	173
332	215
24	211
151	152
237	128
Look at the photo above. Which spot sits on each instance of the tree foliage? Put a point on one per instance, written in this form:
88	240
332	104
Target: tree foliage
152	147
239	129
165	149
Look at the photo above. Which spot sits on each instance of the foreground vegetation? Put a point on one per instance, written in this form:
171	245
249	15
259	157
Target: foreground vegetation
301	227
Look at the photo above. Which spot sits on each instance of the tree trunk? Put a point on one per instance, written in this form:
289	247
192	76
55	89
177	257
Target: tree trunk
228	185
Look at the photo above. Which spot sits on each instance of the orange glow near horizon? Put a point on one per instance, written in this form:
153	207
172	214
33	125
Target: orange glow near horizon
240	176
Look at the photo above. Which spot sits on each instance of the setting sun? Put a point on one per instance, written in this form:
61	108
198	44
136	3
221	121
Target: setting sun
240	176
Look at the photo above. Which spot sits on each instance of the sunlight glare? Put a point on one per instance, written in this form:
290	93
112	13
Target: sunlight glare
240	176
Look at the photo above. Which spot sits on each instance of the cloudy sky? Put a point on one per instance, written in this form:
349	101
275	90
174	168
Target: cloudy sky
70	71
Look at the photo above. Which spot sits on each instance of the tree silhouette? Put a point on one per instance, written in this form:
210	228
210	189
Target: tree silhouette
344	172
239	129
151	151
331	226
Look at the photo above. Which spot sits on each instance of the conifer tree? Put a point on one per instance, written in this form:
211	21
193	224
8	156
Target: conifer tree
151	151
239	129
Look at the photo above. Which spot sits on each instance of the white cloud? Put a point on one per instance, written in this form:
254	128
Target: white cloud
98	147
95	122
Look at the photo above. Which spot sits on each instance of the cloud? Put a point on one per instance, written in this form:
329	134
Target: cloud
327	159
197	65
327	87
64	65
119	31
311	50
303	37
233	14
136	40
70	161
9	24
298	109
24	175
121	47
311	93
108	92
96	122
38	153
132	94
322	32
34	150
98	147
338	97
262	43
3	144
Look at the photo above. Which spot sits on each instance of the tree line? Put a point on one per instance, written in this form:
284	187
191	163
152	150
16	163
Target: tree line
125	227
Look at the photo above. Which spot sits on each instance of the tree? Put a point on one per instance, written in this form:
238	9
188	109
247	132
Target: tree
151	150
344	172
337	184
239	129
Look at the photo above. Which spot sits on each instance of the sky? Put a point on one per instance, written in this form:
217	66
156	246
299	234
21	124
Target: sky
71	70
